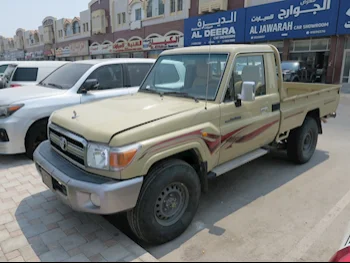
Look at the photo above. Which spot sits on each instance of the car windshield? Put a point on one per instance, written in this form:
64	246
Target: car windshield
187	75
290	66
66	76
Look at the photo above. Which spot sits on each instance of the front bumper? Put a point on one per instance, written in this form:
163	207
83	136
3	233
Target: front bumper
75	186
15	130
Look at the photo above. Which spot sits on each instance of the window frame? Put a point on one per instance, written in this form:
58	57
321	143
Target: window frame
102	66
232	70
21	68
127	78
173	4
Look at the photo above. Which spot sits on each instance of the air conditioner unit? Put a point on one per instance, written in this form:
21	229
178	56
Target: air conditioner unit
211	6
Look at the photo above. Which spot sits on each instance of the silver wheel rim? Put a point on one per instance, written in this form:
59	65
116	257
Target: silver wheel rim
171	204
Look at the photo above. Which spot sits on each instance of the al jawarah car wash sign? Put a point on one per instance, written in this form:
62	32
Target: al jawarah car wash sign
218	28
344	18
292	19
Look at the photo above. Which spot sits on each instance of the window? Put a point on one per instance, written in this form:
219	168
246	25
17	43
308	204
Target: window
124	17
160	7
187	75
137	72
179	5
138	14
76	28
247	68
3	68
119	19
172	6
25	74
150	8
84	27
87	27
109	77
66	76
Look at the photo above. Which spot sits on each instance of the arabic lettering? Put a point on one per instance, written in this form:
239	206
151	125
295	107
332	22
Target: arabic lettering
221	21
260	19
296	11
307	2
347	25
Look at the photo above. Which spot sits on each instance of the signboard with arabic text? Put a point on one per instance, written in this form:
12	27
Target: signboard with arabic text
344	18
292	19
168	42
219	28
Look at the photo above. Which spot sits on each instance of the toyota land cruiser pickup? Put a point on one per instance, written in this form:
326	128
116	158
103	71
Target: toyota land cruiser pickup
200	112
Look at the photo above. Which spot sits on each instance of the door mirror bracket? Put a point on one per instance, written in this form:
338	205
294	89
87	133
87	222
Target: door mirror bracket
89	84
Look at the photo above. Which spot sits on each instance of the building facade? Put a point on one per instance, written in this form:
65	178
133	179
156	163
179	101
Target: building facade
72	37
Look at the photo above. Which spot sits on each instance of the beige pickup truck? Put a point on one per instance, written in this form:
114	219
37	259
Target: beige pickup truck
200	112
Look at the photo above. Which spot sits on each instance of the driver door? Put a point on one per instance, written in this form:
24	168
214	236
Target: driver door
111	83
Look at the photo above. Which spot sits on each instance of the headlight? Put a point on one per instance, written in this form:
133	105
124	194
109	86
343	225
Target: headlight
114	159
6	111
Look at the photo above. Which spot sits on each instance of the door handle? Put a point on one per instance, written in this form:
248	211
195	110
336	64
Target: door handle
264	109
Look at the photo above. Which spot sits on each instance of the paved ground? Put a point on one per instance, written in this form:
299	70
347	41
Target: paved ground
273	210
35	226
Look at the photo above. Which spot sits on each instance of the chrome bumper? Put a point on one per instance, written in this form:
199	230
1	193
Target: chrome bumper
76	187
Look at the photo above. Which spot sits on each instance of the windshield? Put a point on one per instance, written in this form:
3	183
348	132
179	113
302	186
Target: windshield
187	75
66	76
293	66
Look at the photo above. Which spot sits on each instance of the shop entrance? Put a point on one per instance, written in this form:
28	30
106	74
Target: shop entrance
346	70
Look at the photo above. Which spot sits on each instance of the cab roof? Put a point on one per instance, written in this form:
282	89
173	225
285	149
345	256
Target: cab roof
115	60
234	48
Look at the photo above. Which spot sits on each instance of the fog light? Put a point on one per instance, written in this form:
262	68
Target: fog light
95	199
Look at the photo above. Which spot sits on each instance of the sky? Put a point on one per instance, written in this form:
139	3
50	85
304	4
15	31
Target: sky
29	14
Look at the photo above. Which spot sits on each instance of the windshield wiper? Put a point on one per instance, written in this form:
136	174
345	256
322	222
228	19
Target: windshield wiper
55	85
181	94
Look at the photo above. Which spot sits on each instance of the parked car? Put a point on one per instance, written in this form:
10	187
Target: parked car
151	154
27	73
24	111
296	71
3	67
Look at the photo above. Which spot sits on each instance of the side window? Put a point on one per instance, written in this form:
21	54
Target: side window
25	74
137	72
109	77
3	68
247	68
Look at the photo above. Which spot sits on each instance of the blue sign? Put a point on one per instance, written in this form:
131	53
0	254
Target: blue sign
219	28
292	19
344	18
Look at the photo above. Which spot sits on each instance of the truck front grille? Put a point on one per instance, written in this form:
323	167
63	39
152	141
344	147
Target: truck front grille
68	144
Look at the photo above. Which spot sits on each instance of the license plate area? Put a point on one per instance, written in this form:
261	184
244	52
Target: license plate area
57	186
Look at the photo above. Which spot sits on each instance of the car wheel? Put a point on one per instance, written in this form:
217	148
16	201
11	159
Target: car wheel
167	204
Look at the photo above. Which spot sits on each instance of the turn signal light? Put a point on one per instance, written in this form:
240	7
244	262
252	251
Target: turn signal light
15	85
120	160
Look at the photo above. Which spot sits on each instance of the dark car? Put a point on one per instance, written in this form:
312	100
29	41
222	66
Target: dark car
296	71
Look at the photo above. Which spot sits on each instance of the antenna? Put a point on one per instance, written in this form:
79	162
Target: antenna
206	92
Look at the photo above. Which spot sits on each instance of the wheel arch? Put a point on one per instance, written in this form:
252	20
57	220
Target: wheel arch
46	119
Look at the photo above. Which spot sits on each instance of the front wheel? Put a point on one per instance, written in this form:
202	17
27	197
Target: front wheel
302	141
167	204
36	135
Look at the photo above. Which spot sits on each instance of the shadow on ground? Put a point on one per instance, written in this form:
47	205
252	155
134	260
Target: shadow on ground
231	192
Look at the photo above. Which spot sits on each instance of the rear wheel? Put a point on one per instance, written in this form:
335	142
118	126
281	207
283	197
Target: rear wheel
167	204
302	141
36	134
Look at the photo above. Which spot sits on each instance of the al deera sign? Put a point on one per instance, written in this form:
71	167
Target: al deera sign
292	19
344	18
218	28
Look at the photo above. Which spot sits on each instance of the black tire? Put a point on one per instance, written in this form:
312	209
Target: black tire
36	134
144	219
302	141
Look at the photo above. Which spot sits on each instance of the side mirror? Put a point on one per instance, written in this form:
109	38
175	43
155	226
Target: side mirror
89	84
248	91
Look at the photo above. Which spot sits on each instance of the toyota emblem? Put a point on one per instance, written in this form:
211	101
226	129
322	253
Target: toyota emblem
63	144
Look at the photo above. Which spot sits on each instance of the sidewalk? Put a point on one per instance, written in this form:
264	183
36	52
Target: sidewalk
35	226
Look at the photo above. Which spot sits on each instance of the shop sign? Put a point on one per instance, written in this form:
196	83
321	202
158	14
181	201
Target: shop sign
80	48
49	52
291	19
218	28
344	18
163	42
127	46
101	49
